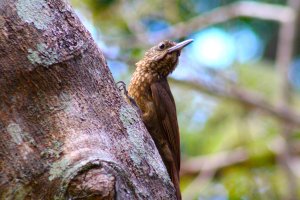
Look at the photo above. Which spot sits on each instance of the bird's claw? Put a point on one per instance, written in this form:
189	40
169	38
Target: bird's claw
122	88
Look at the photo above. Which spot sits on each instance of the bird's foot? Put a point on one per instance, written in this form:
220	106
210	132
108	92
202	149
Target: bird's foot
122	88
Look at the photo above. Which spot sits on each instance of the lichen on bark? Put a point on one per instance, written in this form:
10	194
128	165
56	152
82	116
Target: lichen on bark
129	118
36	12
43	55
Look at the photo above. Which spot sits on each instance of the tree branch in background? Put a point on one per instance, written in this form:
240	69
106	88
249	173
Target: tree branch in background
198	184
214	161
242	96
264	11
224	159
208	166
286	39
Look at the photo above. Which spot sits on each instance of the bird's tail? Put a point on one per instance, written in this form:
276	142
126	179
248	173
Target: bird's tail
174	175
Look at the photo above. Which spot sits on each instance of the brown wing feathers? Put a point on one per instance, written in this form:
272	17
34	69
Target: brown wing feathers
166	111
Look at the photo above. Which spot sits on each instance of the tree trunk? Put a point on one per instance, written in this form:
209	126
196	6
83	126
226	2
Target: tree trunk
65	131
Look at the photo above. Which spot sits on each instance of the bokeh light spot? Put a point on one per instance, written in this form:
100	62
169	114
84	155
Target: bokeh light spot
214	48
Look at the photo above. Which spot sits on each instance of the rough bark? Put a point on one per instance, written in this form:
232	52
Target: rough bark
65	131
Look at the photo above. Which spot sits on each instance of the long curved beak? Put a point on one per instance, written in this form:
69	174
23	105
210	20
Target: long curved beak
180	46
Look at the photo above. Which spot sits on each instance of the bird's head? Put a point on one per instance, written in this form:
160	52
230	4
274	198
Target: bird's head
163	57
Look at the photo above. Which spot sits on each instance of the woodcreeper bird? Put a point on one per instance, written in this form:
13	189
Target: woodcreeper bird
150	90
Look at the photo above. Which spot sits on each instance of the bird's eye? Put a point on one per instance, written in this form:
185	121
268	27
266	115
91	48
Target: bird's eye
161	46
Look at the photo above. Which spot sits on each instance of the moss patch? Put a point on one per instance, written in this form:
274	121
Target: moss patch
129	118
15	132
58	168
44	55
36	12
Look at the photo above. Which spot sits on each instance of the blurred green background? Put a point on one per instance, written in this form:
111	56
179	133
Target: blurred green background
231	148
